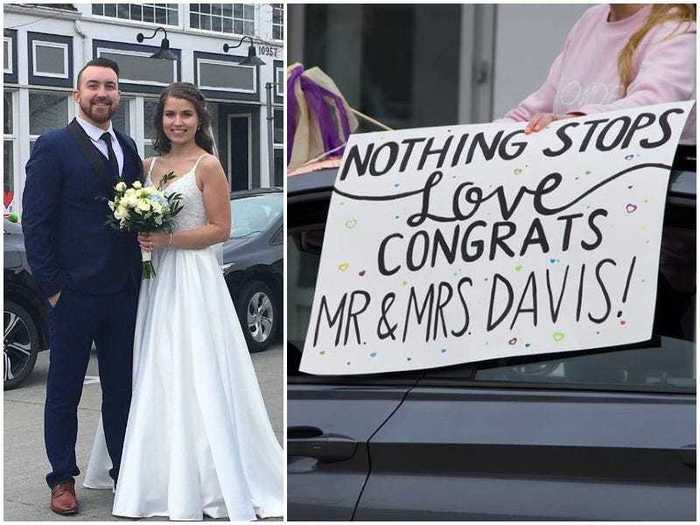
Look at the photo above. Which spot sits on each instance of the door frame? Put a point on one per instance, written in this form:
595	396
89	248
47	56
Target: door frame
249	117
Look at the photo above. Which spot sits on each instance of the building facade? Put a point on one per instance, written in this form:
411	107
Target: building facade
46	45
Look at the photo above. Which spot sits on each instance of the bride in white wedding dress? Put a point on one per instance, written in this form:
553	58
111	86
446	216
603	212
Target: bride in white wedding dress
198	441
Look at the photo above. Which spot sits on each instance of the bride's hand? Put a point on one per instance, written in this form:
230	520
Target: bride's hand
149	241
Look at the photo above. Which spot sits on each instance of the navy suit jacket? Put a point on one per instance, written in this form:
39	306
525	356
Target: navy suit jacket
68	244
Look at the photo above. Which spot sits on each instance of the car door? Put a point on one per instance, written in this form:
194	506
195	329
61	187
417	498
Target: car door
598	436
329	419
328	427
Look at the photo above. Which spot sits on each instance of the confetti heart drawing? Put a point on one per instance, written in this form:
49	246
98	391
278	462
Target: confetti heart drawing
443	350
554	261
322	352
558	336
513	341
517	171
518	267
343	266
631	208
362	273
629	157
351	223
373	354
623	322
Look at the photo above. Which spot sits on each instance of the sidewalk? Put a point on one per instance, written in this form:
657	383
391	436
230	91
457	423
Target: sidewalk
26	493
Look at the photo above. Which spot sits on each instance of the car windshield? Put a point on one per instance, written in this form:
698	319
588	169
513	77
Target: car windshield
254	214
666	363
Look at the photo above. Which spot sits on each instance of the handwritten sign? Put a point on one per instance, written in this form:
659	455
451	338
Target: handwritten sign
458	244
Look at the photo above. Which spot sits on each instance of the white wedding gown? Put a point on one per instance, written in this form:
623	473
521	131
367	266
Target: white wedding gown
198	440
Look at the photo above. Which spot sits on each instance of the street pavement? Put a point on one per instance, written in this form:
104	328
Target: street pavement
25	464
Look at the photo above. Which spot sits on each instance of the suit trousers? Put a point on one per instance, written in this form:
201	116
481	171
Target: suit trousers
74	323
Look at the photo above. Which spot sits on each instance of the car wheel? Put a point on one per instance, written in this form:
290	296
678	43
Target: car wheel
21	344
258	314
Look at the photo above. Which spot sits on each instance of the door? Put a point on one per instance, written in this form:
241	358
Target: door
239	153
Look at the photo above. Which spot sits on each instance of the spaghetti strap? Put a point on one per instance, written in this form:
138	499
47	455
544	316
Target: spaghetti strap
150	168
194	168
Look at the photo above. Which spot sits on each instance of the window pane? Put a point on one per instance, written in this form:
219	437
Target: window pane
248	28
136	12
228	25
9	178
50	60
149	111
238	27
160	16
216	23
278	177
206	22
148	151
227	10
149	14
98	9
6	53
238	10
47	111
123	11
8	112
279	121
120	120
216	9
194	21
248	12
110	9
213	109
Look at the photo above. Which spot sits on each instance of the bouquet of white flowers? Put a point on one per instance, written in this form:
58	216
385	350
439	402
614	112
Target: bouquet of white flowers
143	210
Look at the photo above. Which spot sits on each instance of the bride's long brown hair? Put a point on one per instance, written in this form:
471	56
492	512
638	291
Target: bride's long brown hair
660	13
189	92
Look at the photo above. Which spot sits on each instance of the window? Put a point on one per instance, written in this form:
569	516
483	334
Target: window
9	137
278	165
7	55
226	76
278	21
50	59
236	19
162	14
120	120
279	81
46	111
149	130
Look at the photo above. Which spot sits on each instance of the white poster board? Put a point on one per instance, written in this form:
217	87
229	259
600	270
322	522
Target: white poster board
465	243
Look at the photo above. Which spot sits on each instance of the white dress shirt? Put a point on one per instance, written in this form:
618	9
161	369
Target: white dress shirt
95	133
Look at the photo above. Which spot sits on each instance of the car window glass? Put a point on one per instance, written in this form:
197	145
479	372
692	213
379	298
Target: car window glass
250	215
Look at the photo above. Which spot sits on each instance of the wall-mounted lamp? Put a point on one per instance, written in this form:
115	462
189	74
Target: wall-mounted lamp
164	52
252	58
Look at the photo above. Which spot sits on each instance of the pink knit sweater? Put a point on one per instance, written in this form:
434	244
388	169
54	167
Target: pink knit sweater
584	77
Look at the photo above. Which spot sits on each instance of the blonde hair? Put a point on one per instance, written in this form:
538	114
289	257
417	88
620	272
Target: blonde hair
660	13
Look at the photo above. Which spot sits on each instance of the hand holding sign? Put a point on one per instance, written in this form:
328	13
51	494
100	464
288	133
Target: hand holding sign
468	243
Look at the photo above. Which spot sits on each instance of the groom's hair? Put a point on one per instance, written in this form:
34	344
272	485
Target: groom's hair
99	62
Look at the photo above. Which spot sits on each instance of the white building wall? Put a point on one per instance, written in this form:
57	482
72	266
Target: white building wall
83	27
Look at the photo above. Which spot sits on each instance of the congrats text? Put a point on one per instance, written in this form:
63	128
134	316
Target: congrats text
458	244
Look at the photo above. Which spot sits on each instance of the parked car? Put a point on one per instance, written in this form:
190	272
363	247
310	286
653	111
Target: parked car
25	311
253	264
599	434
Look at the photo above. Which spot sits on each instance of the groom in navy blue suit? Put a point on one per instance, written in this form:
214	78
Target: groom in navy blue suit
89	273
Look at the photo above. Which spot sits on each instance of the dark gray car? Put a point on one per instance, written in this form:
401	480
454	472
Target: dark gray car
253	264
601	434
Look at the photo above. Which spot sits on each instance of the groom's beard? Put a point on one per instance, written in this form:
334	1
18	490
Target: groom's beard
97	114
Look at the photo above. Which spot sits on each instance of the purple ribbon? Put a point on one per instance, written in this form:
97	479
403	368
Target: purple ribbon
317	99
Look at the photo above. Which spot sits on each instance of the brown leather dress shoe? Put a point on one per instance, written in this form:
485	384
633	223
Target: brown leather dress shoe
63	500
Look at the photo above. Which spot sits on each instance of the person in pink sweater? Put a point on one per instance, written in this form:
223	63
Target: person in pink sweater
618	56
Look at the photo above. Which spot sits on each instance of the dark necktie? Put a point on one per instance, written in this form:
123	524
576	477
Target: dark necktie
110	154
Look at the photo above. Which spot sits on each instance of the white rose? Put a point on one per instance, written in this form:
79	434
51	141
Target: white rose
137	185
143	206
120	186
